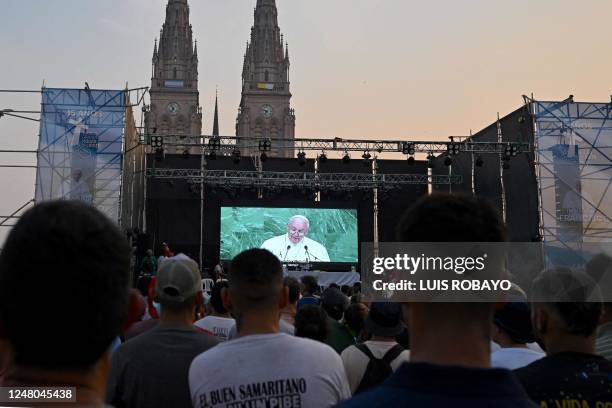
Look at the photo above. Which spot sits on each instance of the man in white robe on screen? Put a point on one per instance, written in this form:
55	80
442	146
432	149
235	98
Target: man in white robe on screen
295	246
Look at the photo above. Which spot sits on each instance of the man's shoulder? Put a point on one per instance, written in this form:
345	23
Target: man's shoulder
532	373
135	347
291	345
309	300
387	396
382	396
353	354
505	353
146	343
205	358
561	363
299	350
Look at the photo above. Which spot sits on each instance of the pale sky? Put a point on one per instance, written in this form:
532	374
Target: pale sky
392	69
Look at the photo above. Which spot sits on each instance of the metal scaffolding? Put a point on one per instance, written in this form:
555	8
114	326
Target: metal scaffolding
55	161
574	163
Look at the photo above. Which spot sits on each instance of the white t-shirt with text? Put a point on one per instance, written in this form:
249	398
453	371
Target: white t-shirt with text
219	326
269	370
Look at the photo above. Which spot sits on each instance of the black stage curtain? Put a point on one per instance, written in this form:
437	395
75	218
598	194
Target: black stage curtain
393	203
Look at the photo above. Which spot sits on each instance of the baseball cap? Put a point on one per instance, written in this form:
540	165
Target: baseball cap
178	279
385	319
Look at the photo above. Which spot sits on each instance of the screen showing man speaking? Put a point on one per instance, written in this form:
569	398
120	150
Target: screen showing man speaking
292	234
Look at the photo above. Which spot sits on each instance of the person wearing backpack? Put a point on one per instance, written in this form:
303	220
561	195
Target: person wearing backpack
369	364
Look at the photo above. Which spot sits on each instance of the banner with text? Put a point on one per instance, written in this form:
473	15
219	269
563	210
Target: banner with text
80	147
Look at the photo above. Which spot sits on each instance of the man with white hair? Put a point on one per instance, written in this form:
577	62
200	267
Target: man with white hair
295	246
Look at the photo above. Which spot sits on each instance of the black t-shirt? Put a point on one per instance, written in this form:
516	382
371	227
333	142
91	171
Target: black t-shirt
568	380
431	385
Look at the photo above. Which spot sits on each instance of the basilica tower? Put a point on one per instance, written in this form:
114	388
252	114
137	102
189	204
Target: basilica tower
265	109
175	107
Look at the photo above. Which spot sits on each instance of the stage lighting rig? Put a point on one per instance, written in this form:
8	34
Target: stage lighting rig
214	144
448	161
408	148
346	159
453	148
157	142
263	157
479	162
265	145
322	158
411	160
301	157
511	150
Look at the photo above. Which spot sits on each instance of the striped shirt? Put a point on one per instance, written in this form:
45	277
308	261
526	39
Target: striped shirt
604	340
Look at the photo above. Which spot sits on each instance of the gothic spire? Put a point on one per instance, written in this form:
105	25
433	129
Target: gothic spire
215	131
266	59
176	54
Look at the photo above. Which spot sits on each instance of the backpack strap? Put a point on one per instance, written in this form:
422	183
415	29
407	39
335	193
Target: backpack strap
378	369
392	354
365	350
389	356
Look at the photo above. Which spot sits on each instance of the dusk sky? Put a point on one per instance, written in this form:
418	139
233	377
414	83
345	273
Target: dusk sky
375	69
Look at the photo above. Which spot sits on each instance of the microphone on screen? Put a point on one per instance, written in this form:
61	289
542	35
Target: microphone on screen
308	254
286	252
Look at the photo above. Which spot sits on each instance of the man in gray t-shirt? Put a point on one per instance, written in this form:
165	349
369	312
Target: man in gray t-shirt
151	370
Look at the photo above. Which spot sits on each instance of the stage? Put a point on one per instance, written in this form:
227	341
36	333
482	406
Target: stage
327	278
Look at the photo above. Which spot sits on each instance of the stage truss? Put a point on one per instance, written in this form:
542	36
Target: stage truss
456	145
304	180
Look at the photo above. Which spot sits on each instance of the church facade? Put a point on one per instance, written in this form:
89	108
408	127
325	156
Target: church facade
174	111
265	106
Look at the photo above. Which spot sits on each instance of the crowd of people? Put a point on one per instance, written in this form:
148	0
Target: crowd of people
259	339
